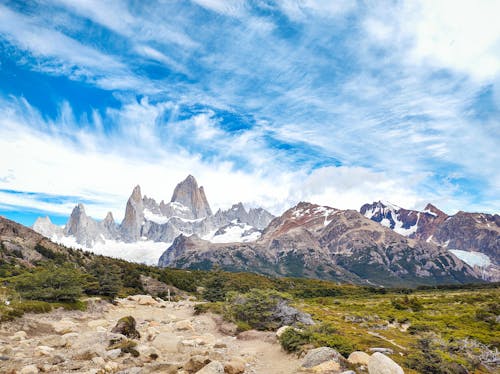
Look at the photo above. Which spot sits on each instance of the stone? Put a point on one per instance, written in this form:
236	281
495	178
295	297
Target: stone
97	323
110	367
215	367
146	300
220	345
30	369
281	330
359	358
126	326
184	325
99	361
166	342
196	363
4	358
133	370
326	367
43	350
20	335
64	326
100	329
56	360
381	364
113	354
70	338
319	355
234	366
348	372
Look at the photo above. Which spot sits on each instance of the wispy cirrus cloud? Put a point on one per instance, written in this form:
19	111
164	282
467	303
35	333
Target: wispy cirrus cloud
310	94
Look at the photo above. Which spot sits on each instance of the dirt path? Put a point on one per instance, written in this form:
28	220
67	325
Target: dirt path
62	342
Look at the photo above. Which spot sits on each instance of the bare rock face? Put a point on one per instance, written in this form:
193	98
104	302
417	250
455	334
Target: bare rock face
314	241
44	226
193	197
134	216
82	227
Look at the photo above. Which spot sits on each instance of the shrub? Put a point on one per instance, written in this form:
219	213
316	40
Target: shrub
292	340
51	284
406	303
215	287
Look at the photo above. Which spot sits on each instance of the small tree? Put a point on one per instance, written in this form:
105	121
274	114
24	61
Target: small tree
53	284
215	286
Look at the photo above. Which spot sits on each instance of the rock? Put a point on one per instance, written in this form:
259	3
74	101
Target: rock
220	345
281	330
348	372
326	367
145	300
387	351
20	335
97	323
359	358
56	360
151	333
381	364
113	354
288	315
4	358
99	361
30	369
126	326
134	370
69	338
54	341
100	329
319	355
234	366
110	367
166	342
265	336
215	367
184	325
43	350
195	363
64	326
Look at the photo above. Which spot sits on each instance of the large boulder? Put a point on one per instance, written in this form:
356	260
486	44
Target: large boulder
381	364
359	358
196	363
215	367
234	366
126	326
319	355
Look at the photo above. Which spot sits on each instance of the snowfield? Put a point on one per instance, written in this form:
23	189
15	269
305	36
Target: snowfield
472	258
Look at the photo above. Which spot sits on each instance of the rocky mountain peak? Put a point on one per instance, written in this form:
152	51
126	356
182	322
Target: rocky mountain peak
109	218
432	209
134	216
193	197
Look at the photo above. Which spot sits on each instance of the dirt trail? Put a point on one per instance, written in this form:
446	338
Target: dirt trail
77	342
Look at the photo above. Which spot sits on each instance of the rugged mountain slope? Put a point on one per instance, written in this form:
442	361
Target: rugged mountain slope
147	223
475	237
316	241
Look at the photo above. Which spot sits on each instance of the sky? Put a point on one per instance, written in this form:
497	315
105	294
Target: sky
265	102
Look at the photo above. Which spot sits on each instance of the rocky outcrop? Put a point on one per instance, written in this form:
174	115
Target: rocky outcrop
44	226
381	364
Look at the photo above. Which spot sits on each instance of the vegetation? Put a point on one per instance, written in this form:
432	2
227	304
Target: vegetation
432	329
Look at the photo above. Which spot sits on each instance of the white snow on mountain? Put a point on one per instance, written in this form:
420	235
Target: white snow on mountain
143	251
156	218
472	258
235	232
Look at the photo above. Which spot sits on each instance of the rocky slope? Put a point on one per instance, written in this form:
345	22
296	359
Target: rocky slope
147	224
322	242
474	237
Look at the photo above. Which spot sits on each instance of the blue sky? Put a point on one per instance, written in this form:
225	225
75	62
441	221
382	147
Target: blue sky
268	103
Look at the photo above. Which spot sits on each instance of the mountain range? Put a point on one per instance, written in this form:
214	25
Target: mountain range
149	227
382	244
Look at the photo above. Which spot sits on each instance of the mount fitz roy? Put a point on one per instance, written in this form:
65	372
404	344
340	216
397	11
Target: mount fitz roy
147	222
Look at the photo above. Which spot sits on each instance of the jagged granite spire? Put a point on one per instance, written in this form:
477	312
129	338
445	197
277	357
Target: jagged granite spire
134	216
193	197
82	227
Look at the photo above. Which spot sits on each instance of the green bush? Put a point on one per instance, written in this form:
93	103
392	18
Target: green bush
215	287
406	303
292	340
51	284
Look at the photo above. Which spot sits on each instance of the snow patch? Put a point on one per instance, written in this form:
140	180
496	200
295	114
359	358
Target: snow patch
156	218
145	252
236	233
429	212
472	258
